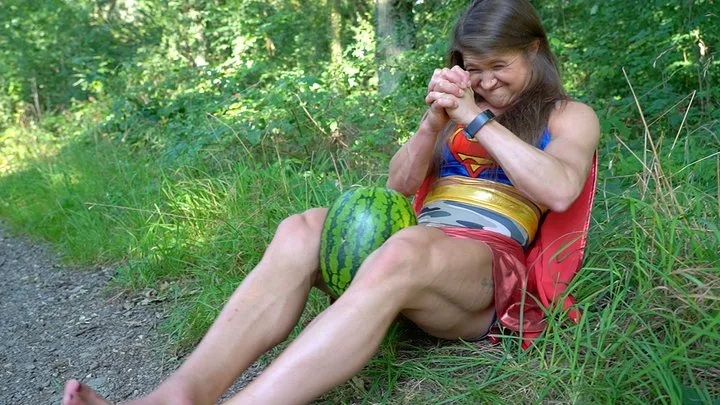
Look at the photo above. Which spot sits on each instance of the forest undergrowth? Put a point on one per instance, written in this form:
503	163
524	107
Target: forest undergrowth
179	175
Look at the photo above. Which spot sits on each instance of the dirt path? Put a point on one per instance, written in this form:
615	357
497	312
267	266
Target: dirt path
58	322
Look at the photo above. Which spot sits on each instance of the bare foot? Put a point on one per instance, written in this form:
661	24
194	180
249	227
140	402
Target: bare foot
77	393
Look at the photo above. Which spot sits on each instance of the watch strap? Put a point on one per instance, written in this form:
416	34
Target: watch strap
478	122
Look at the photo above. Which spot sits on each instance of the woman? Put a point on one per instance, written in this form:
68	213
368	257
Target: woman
544	142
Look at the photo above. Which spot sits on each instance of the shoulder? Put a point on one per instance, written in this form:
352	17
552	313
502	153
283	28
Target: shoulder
575	120
570	108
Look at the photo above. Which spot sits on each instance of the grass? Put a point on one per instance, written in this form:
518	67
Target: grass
650	331
190	233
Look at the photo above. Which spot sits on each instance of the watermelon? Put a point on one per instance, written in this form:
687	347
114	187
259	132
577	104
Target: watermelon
357	223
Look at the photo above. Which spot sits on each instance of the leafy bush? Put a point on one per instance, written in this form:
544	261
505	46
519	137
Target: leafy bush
172	137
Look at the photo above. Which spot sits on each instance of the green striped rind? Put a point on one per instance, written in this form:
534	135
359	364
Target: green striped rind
357	223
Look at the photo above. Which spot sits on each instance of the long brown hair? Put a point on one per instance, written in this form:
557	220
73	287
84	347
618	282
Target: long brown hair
491	27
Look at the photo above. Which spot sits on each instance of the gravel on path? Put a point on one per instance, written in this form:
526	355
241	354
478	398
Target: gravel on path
58	322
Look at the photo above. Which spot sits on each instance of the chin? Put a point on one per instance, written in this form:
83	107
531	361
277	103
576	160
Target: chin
499	104
498	101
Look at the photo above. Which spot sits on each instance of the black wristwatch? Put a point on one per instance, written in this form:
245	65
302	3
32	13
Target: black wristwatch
474	126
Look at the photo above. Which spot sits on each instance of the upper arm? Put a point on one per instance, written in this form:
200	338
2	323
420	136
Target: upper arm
575	131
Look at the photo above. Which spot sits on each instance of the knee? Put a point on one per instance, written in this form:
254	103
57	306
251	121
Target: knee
398	261
300	233
305	226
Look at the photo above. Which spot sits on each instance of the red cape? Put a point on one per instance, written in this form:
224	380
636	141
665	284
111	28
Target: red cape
523	294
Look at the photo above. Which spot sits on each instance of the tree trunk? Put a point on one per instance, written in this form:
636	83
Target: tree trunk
197	42
335	25
395	33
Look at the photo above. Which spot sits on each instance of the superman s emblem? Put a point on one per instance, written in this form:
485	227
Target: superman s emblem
470	154
474	165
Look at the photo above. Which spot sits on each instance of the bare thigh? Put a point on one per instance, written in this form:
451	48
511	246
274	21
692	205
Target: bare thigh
450	281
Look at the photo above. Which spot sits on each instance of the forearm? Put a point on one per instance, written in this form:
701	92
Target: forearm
535	173
411	162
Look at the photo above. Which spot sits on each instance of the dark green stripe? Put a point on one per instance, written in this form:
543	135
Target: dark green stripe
359	222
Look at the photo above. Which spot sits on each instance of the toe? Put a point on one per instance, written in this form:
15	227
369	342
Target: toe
70	395
79	394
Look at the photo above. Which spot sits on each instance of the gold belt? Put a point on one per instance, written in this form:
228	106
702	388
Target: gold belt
491	195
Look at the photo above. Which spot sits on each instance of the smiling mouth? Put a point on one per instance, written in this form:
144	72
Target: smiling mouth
491	90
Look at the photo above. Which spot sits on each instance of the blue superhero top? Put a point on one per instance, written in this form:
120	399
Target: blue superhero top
467	157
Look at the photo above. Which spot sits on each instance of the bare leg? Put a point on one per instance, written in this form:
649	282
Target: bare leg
259	315
407	275
331	349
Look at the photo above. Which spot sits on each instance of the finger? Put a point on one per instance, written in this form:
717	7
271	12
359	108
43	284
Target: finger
443	103
460	70
433	80
460	76
442	99
432	97
456	74
449	87
449	75
463	75
429	99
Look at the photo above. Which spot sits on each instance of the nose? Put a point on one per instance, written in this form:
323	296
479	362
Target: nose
487	80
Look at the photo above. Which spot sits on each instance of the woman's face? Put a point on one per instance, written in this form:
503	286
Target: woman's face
499	79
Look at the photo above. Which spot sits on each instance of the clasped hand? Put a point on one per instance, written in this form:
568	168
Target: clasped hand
450	97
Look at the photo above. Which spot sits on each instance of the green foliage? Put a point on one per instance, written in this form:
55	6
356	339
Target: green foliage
54	52
663	46
173	136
